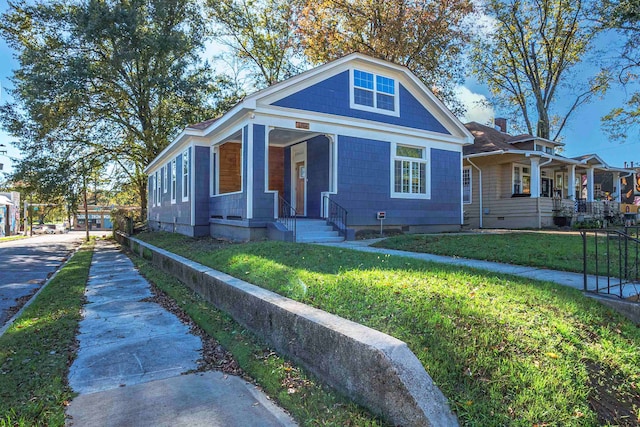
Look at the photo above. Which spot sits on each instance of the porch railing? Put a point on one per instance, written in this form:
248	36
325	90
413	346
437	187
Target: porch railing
287	216
608	211
614	257
597	208
336	215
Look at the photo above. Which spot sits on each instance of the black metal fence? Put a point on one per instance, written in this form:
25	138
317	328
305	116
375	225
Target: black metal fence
613	257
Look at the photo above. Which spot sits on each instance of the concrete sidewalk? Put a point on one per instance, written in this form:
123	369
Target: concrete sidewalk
564	278
133	356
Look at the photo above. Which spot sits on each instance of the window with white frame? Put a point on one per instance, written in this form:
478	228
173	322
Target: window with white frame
466	184
165	178
185	175
374	92
521	179
152	180
410	174
173	181
158	189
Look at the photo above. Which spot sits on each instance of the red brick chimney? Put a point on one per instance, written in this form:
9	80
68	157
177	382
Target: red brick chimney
501	124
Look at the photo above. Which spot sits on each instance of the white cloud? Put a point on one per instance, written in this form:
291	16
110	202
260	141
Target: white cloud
478	107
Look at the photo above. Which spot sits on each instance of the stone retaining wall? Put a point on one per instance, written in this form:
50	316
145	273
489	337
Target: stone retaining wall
372	368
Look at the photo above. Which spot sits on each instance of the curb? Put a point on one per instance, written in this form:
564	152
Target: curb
33	298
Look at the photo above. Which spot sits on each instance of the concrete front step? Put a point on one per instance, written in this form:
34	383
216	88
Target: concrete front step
313	228
328	239
316	231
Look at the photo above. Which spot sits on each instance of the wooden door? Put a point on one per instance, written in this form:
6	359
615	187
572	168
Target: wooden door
301	176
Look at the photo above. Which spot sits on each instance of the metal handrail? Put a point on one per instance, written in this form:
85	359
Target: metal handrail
621	253
287	216
336	215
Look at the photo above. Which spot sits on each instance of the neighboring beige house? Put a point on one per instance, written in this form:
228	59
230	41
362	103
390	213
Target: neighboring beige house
522	182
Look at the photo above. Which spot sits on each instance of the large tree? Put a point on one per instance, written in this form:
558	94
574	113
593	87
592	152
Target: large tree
623	17
426	36
118	77
260	35
529	58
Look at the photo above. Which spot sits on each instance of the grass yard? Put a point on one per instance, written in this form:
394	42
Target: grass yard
11	238
36	351
504	350
552	251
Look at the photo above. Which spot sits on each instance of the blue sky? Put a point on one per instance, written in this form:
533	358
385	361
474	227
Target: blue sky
582	135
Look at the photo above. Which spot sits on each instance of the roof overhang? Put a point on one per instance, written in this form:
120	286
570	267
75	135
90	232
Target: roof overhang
249	104
535	139
589	161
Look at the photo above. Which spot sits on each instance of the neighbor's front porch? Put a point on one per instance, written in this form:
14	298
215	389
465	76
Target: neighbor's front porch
517	190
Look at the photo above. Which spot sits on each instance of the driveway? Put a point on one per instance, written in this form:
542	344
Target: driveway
25	265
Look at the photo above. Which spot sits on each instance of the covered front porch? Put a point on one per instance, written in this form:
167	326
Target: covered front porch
535	190
262	176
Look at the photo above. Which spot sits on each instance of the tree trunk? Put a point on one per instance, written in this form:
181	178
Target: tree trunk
142	190
543	129
86	209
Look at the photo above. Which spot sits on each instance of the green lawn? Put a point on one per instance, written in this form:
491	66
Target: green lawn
36	351
10	238
553	251
504	350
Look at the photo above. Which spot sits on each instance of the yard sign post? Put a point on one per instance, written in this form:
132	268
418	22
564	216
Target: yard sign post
381	216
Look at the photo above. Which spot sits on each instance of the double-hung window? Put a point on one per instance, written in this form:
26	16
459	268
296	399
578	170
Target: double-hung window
158	189
466	184
521	179
185	175
373	92
173	181
152	181
410	172
165	178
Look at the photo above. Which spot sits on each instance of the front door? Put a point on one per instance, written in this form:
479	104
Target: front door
301	175
546	187
299	178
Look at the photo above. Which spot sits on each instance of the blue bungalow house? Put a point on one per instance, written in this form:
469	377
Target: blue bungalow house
346	143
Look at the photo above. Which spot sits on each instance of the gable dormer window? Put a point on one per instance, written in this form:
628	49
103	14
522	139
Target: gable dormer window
373	92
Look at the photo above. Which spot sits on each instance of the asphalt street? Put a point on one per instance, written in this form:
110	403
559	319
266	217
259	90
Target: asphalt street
25	265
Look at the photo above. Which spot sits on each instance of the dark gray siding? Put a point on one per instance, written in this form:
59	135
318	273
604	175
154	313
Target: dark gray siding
178	212
201	162
331	96
364	188
262	202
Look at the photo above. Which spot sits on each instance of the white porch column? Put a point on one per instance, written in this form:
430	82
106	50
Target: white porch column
572	183
535	177
590	185
616	187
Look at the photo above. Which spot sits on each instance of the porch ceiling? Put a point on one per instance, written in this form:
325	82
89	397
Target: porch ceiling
283	137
